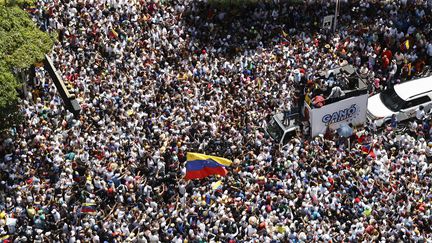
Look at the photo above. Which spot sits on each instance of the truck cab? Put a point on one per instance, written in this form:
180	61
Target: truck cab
280	132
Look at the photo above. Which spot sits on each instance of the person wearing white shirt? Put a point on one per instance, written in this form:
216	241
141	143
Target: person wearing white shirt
400	35
420	113
411	30
428	150
336	92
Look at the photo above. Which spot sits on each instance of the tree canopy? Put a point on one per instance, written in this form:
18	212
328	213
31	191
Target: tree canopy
22	44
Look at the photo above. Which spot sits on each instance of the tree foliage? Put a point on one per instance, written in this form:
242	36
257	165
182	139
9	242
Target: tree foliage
8	86
9	114
22	44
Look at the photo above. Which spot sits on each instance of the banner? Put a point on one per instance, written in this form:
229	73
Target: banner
328	22
350	110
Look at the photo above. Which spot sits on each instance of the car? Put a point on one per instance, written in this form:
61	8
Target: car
402	100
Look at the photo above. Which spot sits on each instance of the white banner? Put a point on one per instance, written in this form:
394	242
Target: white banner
350	110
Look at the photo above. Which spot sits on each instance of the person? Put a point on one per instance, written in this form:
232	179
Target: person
318	101
336	92
429	51
287	114
429	150
364	72
420	113
394	121
392	73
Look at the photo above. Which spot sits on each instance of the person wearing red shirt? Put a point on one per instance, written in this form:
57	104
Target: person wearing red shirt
385	62
388	53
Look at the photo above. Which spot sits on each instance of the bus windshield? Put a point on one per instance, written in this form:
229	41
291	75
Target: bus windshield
275	130
392	100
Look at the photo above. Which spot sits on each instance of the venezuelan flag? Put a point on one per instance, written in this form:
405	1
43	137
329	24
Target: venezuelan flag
88	208
366	148
5	239
113	34
217	185
199	166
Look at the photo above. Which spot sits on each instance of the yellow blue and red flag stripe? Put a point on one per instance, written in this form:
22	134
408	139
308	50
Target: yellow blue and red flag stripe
88	208
217	185
366	148
199	166
5	239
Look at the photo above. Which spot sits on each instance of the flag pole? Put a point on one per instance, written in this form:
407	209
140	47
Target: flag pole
336	15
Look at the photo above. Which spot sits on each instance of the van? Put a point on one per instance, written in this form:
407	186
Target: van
401	99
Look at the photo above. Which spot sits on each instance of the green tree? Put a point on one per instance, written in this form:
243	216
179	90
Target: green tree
22	44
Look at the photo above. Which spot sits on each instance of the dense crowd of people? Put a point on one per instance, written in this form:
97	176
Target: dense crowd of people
157	80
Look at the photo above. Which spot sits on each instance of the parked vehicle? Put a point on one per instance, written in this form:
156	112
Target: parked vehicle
401	99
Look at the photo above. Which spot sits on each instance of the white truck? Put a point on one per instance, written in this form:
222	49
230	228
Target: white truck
348	109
